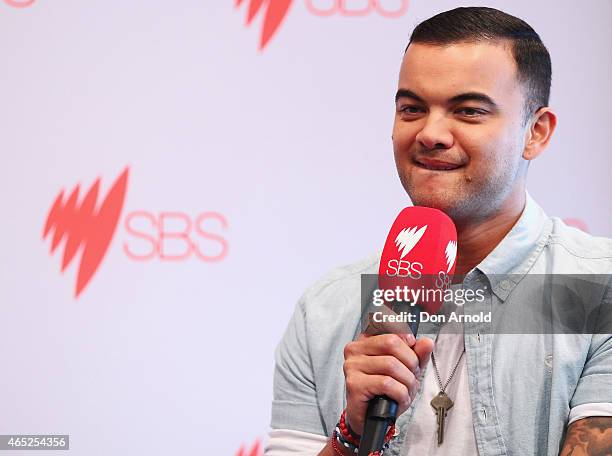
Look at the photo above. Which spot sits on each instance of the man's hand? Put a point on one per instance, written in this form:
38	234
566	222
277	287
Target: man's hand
590	436
386	364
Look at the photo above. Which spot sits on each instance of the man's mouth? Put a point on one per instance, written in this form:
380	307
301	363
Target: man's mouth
436	165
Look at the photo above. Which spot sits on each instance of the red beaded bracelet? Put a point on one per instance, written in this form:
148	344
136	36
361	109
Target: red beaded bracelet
346	430
345	435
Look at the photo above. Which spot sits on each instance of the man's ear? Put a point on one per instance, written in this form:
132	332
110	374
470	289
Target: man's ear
541	129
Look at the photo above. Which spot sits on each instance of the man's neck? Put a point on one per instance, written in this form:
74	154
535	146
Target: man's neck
475	241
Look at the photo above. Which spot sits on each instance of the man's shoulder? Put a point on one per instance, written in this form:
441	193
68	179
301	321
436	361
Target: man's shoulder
338	292
342	277
582	246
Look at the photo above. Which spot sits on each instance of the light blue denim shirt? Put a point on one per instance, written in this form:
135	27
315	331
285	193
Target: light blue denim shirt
522	387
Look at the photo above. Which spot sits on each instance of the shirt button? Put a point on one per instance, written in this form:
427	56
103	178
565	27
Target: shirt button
483	411
548	360
505	285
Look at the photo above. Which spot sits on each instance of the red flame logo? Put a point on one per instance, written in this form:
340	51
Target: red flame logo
275	14
577	223
255	450
19	3
82	225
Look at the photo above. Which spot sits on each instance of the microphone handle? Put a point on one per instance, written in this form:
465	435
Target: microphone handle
382	411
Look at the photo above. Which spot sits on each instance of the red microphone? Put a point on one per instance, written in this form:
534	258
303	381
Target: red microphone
420	253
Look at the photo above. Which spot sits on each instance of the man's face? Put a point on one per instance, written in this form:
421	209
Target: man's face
458	134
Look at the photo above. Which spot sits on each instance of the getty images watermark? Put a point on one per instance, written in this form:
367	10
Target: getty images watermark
496	304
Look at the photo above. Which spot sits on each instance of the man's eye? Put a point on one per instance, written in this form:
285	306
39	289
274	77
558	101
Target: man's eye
471	112
411	109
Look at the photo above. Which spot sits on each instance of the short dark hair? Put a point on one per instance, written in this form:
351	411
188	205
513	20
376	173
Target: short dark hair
473	24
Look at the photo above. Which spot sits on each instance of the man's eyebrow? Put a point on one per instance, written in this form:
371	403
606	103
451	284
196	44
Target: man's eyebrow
405	93
473	96
468	96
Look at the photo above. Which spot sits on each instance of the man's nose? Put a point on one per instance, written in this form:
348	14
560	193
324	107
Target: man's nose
435	134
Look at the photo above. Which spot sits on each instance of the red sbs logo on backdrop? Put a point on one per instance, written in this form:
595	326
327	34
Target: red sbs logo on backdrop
256	450
89	227
19	3
577	223
358	8
84	226
276	11
174	236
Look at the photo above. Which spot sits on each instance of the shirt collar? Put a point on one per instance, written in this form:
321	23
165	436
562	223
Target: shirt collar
518	250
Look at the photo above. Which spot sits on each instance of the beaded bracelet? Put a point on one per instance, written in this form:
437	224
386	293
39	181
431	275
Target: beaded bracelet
338	439
346	430
346	437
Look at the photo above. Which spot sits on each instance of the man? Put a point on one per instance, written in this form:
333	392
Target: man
471	113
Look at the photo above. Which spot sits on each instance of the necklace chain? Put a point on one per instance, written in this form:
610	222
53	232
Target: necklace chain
433	360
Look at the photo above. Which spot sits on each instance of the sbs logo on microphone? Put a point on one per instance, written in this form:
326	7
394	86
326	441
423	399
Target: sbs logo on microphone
450	252
405	241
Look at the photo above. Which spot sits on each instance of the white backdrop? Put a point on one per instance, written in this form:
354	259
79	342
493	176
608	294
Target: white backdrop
289	146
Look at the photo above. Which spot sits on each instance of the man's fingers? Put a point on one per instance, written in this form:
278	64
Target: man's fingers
423	349
386	344
375	328
382	365
381	385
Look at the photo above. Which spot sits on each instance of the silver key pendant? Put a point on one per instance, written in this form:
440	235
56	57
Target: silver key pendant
441	404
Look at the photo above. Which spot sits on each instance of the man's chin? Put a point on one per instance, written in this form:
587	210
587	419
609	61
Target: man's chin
459	209
444	204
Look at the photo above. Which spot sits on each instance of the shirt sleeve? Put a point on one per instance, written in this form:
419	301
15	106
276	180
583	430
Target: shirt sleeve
282	442
588	410
294	404
595	383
